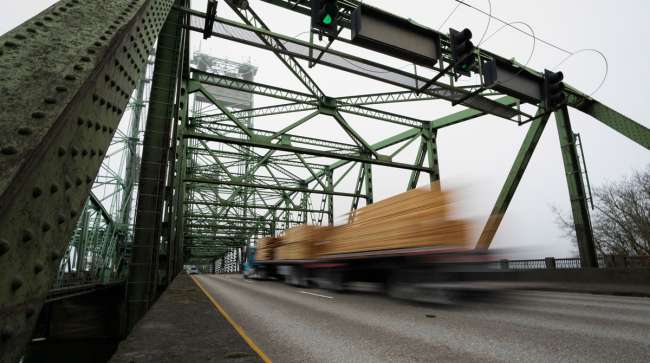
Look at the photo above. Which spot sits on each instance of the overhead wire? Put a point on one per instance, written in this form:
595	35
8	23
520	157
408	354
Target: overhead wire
537	39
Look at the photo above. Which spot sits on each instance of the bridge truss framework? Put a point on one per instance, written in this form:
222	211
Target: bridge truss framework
210	181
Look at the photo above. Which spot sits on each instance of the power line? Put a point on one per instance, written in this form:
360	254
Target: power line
509	24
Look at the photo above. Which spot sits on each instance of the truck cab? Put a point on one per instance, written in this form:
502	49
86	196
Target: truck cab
248	268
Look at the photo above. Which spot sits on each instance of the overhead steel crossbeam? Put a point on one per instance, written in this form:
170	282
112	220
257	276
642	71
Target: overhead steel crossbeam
297	48
345	106
255	112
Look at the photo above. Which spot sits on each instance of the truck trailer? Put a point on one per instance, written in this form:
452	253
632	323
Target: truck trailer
408	245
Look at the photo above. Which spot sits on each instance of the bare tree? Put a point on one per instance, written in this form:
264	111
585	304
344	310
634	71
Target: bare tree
621	216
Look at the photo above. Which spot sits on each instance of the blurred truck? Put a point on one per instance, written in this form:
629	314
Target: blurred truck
409	244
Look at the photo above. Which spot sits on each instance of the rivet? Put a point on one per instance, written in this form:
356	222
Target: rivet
27	235
74	151
60	218
88	179
16	283
89	123
97	126
77	181
24	131
38	268
54	188
46	227
50	100
78	67
61	151
84	152
54	256
61	89
73	213
10	44
70	77
9	150
104	128
80	121
38	114
93	152
36	192
4	247
66	183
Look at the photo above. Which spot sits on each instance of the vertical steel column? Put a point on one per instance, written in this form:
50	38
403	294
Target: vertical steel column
180	188
174	259
512	181
577	193
419	160
143	274
330	197
429	137
367	175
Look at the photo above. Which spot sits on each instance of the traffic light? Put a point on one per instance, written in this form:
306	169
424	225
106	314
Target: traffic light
553	89
462	50
324	14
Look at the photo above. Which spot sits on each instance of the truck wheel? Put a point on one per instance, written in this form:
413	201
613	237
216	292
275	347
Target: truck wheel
335	281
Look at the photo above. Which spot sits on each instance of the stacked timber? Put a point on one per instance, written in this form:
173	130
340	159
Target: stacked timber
299	243
417	218
265	248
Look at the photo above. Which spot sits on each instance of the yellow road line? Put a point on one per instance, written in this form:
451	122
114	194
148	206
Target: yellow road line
234	324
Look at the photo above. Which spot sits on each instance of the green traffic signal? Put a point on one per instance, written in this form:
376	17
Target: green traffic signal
327	20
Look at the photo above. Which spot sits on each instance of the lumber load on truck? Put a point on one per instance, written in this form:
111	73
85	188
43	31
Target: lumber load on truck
299	243
417	218
265	248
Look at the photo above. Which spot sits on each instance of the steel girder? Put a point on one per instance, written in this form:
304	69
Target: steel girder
56	128
577	192
531	139
143	277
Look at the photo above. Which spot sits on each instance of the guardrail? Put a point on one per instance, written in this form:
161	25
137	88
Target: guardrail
605	261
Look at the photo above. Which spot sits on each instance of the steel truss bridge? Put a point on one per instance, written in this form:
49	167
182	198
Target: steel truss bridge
85	199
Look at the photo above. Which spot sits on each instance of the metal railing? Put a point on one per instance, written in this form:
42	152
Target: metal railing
604	261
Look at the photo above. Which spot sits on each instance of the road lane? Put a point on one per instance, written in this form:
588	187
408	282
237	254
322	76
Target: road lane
291	326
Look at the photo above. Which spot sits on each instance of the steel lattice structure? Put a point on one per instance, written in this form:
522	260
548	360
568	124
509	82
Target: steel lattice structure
210	179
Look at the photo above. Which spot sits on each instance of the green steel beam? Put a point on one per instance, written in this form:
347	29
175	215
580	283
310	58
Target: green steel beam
293	149
469	114
55	83
143	279
617	121
277	47
512	181
577	194
430	135
383	98
271	187
354	135
257	88
257	112
440	90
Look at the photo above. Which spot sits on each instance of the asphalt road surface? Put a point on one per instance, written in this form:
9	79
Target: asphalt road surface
310	325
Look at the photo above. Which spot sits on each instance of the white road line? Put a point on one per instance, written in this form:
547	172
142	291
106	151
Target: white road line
319	295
